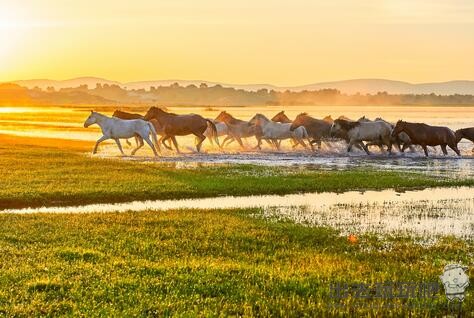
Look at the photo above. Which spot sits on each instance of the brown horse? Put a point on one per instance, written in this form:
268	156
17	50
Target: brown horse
124	115
467	133
426	135
328	119
238	129
182	125
281	118
317	129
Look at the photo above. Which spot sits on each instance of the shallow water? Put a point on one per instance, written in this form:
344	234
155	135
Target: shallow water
423	213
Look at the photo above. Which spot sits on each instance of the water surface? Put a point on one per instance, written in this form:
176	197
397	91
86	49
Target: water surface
424	213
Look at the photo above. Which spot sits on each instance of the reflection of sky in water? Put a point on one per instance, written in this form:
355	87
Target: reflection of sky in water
425	213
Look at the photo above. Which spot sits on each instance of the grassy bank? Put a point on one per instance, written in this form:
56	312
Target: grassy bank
38	174
203	262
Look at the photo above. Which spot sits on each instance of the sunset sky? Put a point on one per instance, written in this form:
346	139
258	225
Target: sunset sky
282	42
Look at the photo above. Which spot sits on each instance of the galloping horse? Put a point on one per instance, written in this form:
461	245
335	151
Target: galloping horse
426	135
237	129
182	125
282	118
467	133
357	132
127	116
275	132
317	129
116	129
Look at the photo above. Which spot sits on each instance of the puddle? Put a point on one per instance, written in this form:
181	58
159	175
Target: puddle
425	213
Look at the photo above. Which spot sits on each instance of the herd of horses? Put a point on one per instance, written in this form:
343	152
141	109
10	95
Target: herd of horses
304	131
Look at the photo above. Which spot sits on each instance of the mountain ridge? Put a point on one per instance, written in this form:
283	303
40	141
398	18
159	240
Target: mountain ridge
352	86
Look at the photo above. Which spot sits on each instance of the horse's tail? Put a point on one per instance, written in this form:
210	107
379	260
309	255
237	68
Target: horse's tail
153	136
305	132
213	129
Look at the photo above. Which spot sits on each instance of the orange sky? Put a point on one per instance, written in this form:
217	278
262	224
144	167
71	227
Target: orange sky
266	41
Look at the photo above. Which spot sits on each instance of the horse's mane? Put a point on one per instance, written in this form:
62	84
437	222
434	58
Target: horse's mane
119	113
347	125
162	110
344	118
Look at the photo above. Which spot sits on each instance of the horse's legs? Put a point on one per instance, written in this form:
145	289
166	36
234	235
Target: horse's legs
388	142
117	141
148	141
425	149
94	151
139	145
259	142
136	139
455	148
295	142
128	142
366	149
271	143
276	143
301	142
228	139
200	138
163	139
443	148
349	146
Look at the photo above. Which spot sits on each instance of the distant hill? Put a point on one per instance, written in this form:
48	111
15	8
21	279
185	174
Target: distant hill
363	86
57	84
372	86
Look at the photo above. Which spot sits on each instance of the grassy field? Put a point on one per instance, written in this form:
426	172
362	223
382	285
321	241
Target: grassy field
207	263
41	172
194	262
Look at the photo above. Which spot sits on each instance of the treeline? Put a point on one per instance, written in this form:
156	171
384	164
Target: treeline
203	95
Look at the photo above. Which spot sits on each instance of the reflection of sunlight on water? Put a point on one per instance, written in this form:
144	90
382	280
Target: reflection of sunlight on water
438	211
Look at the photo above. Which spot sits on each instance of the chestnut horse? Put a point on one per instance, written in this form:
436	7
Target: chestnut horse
237	129
426	135
467	133
182	125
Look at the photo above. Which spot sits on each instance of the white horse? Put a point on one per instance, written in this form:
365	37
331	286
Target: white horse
116	129
275	131
357	132
221	128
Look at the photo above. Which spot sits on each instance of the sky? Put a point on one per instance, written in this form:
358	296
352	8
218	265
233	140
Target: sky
281	42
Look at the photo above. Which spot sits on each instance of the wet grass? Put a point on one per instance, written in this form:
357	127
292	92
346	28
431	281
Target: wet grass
207	263
37	175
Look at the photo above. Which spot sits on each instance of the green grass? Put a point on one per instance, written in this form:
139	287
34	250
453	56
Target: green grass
207	263
35	176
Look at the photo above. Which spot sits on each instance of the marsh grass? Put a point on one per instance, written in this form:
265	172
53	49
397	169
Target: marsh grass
38	175
208	263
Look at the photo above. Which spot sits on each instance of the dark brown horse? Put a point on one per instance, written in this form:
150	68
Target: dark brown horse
426	135
317	129
124	115
467	133
182	125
